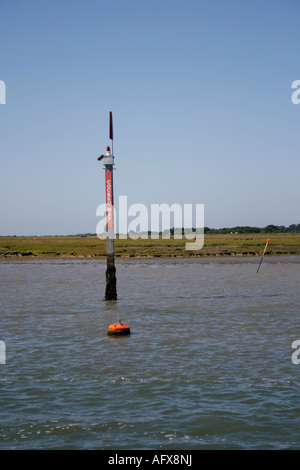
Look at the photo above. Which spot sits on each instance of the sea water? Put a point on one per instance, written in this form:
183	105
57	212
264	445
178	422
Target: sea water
208	363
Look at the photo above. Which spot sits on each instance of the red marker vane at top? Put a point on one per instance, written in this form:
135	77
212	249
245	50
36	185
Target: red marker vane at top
263	255
111	133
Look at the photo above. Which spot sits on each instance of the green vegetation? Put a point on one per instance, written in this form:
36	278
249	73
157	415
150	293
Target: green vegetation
90	246
246	229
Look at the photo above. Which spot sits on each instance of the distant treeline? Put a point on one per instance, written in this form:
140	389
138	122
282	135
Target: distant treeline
294	228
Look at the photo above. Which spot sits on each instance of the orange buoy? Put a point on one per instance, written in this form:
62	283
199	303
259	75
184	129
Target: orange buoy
118	329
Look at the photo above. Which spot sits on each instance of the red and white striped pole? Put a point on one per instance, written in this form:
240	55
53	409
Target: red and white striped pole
109	192
108	160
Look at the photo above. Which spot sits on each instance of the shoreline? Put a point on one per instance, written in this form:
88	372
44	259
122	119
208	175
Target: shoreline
237	246
225	260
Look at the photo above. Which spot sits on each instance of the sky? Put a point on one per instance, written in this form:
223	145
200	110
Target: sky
200	92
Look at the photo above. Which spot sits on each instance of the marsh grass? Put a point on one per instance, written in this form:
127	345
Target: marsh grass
91	246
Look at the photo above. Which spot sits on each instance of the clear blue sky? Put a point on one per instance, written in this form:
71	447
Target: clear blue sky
200	92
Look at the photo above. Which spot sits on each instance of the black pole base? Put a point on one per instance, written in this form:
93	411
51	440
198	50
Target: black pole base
111	284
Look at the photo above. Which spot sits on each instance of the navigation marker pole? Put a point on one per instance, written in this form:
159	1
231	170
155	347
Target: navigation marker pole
263	255
108	160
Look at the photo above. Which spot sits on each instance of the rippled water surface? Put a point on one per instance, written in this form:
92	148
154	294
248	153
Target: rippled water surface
207	365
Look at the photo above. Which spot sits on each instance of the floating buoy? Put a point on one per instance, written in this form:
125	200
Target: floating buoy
118	329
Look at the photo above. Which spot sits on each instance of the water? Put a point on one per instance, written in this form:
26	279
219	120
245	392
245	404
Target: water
207	366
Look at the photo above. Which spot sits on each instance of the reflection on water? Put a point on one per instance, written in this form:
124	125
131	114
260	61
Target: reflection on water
207	365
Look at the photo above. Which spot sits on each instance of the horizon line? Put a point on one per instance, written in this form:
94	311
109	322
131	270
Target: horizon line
270	227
